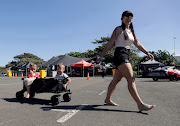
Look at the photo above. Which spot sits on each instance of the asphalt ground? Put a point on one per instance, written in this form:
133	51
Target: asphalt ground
87	105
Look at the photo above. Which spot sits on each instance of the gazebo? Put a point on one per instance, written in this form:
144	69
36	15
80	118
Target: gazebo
149	64
82	63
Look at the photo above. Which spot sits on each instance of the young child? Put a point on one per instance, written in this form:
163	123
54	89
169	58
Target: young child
61	75
31	77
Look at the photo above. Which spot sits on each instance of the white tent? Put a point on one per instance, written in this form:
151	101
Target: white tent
177	57
149	64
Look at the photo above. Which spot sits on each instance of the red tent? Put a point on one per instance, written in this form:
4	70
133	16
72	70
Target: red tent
82	63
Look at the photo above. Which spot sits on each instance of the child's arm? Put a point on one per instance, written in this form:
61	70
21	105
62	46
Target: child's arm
68	82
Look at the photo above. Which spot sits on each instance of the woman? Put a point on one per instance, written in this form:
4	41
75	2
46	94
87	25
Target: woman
123	36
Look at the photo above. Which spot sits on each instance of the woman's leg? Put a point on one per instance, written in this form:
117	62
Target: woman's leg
117	77
128	74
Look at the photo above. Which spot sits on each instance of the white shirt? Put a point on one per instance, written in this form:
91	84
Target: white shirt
62	76
121	42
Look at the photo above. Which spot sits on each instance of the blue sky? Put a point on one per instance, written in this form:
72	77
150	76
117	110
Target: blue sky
49	28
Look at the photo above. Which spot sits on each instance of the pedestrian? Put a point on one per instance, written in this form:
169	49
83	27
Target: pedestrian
123	36
103	68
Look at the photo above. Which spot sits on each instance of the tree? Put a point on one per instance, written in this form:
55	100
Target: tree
23	58
162	56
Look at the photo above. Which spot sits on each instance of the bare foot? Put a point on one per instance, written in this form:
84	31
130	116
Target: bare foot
27	96
110	103
145	107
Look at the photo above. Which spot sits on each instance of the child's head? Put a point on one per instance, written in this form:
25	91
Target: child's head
60	68
33	67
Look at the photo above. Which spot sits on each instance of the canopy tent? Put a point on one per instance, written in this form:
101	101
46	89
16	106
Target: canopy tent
50	61
149	64
68	60
177	57
152	62
82	63
24	66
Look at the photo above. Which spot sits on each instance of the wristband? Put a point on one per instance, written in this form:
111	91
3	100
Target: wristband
147	52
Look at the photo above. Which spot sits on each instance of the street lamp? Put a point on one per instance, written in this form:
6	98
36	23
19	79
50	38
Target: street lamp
174	45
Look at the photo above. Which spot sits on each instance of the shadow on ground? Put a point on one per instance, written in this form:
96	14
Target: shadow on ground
29	101
89	108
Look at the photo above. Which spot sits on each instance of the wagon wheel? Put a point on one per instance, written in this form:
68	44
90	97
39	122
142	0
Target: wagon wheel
32	94
67	97
55	99
19	95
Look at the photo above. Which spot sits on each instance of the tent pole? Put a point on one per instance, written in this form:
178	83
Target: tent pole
83	70
93	70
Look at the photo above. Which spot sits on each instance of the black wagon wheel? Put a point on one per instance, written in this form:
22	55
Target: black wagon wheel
67	97
155	78
32	94
55	99
19	95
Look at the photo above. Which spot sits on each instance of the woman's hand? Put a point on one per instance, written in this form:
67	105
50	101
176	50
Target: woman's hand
98	59
150	56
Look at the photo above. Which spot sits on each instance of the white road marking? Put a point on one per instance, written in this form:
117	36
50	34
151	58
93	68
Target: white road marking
70	113
102	92
92	91
7	84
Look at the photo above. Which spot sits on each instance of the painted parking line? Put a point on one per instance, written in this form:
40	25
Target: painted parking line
9	84
102	92
70	113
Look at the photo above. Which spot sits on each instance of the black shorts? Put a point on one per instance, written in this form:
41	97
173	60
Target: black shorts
121	56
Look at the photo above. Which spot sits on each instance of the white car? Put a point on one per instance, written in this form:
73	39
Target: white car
3	74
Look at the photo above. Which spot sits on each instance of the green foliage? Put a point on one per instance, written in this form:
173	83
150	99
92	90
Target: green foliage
23	58
3	70
162	56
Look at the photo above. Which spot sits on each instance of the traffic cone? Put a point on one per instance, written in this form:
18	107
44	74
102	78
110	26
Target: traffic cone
15	74
12	74
22	77
88	76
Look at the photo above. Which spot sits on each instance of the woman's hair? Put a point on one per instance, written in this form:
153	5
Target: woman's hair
131	28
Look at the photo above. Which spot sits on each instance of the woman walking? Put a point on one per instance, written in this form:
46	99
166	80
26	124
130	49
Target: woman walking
123	36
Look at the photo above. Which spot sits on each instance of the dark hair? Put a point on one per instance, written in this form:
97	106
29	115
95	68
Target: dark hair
131	28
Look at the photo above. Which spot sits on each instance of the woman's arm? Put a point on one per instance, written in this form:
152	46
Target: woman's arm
141	48
114	36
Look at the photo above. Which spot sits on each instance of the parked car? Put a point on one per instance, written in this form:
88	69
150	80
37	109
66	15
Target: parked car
3	74
167	72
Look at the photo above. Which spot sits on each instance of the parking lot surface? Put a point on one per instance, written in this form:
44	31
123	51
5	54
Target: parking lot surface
87	105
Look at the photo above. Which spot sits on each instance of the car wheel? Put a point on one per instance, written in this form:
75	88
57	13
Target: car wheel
155	78
173	77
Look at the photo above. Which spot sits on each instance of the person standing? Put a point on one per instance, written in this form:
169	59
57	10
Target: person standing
123	36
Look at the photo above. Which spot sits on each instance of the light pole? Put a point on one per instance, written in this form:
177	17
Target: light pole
174	45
